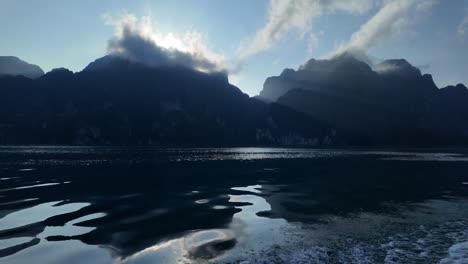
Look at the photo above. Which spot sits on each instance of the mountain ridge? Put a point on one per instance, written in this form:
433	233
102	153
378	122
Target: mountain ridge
391	103
339	102
114	101
13	66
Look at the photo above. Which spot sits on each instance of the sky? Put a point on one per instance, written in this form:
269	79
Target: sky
249	39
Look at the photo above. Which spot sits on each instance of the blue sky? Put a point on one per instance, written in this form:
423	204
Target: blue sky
253	39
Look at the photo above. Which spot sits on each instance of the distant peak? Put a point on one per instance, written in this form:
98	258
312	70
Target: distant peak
461	86
458	90
107	62
12	58
429	81
397	64
346	61
345	56
400	62
287	72
61	69
112	62
353	55
427	76
399	67
57	74
11	65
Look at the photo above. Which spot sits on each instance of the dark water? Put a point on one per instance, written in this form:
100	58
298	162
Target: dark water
248	205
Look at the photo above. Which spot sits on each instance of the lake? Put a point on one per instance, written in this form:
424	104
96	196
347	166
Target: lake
232	205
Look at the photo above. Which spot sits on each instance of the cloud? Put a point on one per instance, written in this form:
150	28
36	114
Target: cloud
137	40
392	19
463	27
287	15
426	5
313	42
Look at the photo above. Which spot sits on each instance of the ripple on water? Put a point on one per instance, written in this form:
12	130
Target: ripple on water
208	244
38	214
24	233
202	201
34	186
247	237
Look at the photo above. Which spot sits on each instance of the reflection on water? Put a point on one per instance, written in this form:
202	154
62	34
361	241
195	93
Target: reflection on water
244	205
247	232
194	246
37	214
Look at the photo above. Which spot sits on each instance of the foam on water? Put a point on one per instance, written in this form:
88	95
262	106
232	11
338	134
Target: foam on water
458	254
446	243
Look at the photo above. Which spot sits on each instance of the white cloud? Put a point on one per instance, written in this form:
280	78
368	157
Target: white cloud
287	15
392	19
350	6
463	27
426	5
138	40
313	43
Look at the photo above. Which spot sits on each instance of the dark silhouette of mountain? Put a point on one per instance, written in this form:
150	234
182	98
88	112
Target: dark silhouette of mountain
116	101
391	103
10	65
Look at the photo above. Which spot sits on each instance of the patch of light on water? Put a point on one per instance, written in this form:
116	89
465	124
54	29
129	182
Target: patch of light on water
38	213
9	178
86	156
202	201
70	229
252	188
247	232
70	252
30	169
19	201
34	186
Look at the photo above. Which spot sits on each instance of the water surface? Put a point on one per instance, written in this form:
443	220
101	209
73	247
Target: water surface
232	205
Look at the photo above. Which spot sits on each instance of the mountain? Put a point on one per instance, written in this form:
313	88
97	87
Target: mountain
115	101
10	65
390	103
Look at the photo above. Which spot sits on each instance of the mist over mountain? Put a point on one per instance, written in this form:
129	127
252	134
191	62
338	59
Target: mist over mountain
13	66
390	103
117	101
